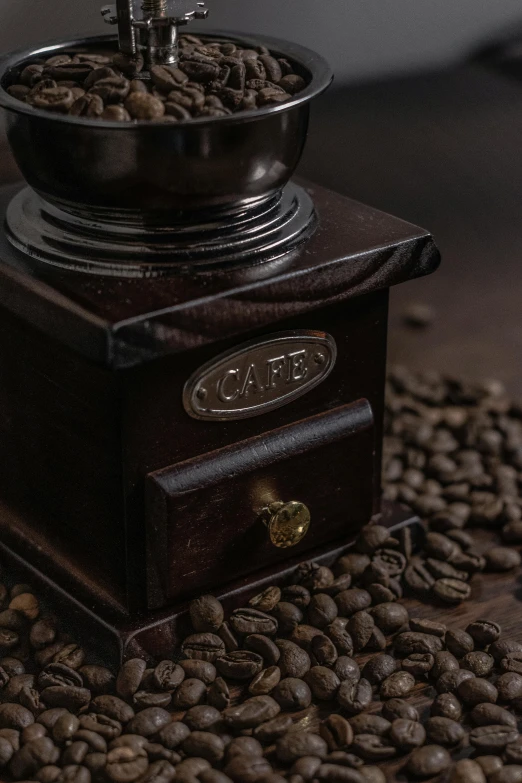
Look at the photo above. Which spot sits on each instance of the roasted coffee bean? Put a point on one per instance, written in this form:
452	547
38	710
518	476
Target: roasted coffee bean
417	577
444	661
347	669
487	714
428	761
126	764
251	621
379	668
399	708
149	721
323	650
292	694
444	731
368	723
397	685
288	616
412	642
323	682
418	664
354	563
265	681
69	696
267	600
143	106
312	575
360	628
295	594
354	697
65	727
98	679
168	675
59	674
450	681
273	729
244	746
502	648
100	724
295	745
294	661
229	639
451	590
389	617
112	707
252	712
459	643
303	635
502	558
341	638
421	625
336	732
204	744
446	705
489	764
218	694
173	734
467	771
203	647
202	717
509	774
201	670
372	747
351	601
206	613
484	632
343	582
191	692
513	752
264	647
322	610
245	768
239	665
371	538
32	756
478	662
129	677
512	663
492	739
509	686
406	735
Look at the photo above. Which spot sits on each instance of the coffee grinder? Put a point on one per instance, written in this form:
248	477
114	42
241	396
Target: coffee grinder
193	349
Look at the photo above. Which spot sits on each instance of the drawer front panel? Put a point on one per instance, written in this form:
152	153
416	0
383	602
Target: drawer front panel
204	515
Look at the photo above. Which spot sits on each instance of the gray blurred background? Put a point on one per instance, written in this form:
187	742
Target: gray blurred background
362	38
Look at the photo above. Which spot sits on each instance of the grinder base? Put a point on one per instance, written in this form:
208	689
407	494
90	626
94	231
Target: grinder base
158	635
121	248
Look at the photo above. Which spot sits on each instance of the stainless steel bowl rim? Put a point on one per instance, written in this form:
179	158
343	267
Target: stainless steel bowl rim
315	64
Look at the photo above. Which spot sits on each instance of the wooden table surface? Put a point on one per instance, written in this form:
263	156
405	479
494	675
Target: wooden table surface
441	150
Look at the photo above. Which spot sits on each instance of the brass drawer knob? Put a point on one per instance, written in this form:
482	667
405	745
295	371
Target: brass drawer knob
287	523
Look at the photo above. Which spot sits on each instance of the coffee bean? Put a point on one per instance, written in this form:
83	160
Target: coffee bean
322	610
293	661
467	771
203	647
502	648
428	761
487	714
478	662
323	682
512	663
203	717
244	746
354	563
412	642
143	106
379	668
267	600
347	669
295	594
271	730
335	772
372	747
397	685
292	694
492	739
351	601
509	686
459	642
367	723
342	640
407	735
69	696
228	637
204	744
112	707
251	621
336	732
288	616
418	664
417	577
264	647
389	617
218	694
252	712
444	731
100	724
323	650
32	756
265	681
129	678
239	665
295	745
206	613
513	752
484	632
168	675
360	628
450	681
98	679
451	590
444	661
421	625
509	774
126	764
446	705
398	708
190	693
354	697
501	558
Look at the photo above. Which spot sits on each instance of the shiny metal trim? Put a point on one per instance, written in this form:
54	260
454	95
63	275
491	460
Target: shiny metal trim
196	390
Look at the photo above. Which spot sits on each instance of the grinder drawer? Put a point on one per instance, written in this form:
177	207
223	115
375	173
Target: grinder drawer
207	517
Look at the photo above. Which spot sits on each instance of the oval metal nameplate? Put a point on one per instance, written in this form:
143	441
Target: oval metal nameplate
260	375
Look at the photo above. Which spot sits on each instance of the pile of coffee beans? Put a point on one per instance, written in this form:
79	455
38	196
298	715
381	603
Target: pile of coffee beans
233	704
212	79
